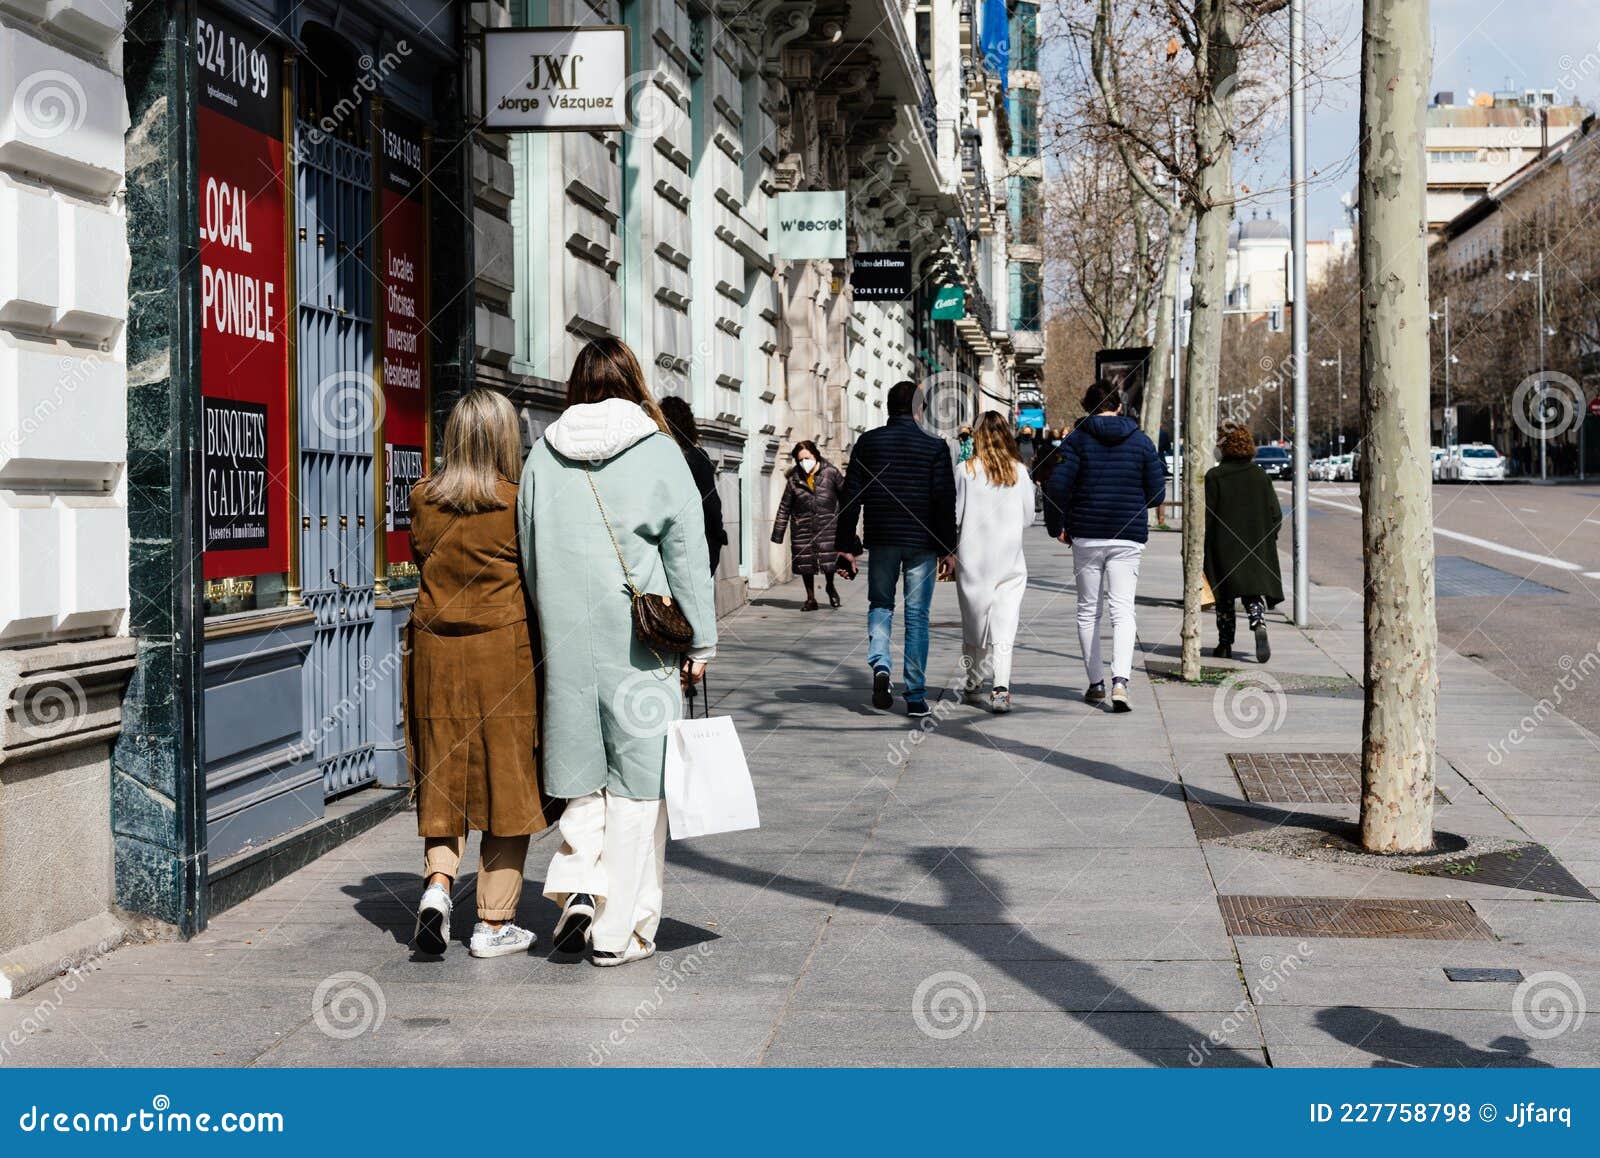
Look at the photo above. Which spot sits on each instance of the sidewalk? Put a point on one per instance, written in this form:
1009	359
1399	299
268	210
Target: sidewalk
1018	890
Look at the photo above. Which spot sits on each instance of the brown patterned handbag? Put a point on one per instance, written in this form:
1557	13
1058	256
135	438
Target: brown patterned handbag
657	621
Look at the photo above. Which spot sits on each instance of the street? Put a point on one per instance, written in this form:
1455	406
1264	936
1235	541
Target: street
1058	886
1529	633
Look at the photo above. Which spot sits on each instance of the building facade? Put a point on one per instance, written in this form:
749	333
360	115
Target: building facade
254	251
1025	196
1473	145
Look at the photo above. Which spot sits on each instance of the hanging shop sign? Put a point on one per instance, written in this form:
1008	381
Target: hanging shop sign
555	79
244	361
405	351
809	225
881	277
949	304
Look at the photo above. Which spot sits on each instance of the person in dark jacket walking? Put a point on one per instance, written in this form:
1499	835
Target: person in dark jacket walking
1108	477
809	510
1242	520
686	432
901	477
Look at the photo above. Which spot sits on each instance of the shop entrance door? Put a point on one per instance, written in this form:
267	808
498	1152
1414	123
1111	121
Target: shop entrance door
335	261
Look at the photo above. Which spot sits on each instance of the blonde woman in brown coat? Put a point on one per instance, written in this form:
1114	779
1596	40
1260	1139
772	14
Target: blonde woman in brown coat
472	690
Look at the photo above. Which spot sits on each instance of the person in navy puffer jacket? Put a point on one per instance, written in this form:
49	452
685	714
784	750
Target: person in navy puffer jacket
1108	477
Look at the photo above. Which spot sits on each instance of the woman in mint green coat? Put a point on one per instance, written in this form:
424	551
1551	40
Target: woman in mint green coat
605	481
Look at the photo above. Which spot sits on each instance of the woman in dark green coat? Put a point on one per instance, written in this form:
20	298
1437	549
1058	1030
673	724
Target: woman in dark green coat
1242	521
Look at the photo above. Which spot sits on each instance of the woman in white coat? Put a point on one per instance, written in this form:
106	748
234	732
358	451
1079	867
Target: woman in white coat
994	506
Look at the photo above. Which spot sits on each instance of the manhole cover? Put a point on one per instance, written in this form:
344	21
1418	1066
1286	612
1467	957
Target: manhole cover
1464	973
1532	868
1348	917
1456	575
1302	777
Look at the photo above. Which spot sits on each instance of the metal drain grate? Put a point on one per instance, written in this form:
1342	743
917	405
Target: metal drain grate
1346	917
1464	973
1532	868
1456	575
1302	777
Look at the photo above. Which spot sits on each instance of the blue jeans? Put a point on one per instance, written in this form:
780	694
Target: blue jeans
884	566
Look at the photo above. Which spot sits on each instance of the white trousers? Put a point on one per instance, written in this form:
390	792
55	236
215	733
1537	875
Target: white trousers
615	849
995	662
1107	575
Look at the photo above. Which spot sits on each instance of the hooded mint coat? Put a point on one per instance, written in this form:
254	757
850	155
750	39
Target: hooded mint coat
607	699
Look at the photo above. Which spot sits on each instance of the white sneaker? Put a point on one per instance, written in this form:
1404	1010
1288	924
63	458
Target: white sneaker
636	951
433	920
488	941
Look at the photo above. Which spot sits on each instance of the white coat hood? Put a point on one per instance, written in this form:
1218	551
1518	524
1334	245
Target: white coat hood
597	431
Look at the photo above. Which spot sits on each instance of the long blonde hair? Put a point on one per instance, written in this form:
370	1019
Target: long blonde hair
996	448
482	448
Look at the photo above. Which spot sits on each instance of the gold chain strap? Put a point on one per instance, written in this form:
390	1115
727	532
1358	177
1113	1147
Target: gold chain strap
627	576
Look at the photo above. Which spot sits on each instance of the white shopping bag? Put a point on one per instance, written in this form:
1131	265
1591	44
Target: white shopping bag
708	786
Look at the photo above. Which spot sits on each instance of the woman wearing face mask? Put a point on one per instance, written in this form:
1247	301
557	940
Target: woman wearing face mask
963	444
810	510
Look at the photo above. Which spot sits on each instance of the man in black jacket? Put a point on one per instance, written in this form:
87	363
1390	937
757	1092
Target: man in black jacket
901	477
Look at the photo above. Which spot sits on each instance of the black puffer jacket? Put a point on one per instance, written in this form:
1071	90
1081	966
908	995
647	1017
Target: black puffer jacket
1109	475
901	476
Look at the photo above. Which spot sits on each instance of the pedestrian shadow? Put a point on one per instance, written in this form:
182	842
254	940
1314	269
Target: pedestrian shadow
1156	1037
1382	1033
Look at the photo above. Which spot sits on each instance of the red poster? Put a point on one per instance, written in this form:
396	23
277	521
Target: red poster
405	352
244	305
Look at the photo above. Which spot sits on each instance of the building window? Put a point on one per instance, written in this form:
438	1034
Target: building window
1022	111
1026	208
1025	37
1027	294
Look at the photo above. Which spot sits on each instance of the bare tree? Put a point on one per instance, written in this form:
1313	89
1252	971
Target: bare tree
1398	724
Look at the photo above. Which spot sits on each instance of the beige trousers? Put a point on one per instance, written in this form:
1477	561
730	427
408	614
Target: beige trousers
615	849
500	862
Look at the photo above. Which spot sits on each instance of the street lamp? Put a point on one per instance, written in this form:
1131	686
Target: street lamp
1536	274
1449	360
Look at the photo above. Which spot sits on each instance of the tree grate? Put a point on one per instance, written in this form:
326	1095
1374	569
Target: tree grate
1302	777
1532	868
1348	917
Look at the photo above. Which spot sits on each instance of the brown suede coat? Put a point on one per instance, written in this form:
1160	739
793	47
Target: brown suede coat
472	691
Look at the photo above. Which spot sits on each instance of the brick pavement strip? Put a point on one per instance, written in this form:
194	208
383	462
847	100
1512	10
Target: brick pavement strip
983	890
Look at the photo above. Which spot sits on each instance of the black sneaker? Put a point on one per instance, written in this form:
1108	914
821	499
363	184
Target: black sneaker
1222	651
572	927
916	709
1263	648
882	689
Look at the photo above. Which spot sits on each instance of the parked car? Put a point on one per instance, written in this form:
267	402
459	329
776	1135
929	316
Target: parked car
1438	463
1276	461
1343	468
1476	462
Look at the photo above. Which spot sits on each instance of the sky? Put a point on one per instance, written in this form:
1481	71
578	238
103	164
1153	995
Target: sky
1481	45
1478	45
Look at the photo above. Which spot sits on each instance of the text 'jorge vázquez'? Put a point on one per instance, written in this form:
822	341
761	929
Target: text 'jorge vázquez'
556	77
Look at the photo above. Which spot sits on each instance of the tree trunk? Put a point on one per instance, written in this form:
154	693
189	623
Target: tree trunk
1213	127
1155	384
1401	635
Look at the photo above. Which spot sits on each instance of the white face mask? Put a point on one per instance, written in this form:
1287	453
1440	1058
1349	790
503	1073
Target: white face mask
808	464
